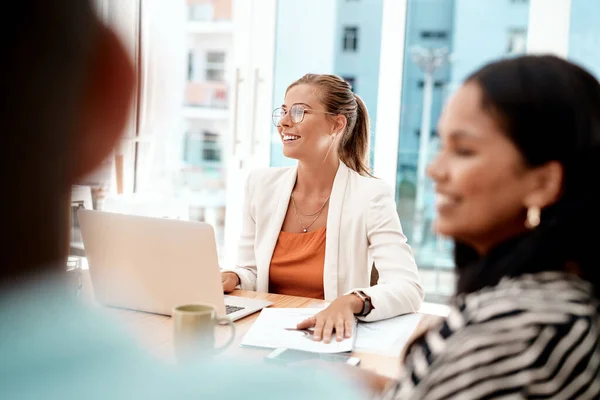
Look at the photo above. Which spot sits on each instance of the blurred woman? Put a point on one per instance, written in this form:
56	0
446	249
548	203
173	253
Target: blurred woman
516	182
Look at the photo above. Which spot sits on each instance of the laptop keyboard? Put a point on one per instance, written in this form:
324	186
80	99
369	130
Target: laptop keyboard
232	309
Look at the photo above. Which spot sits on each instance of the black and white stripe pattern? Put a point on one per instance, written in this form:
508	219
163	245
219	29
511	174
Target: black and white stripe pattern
532	337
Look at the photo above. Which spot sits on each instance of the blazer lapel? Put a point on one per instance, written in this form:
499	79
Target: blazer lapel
334	218
271	234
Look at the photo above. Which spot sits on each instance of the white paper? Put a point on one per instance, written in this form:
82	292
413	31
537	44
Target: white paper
269	331
386	337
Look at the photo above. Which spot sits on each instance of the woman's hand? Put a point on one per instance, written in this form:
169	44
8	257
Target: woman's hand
230	281
339	316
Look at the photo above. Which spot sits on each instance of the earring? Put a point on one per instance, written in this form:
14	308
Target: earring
533	217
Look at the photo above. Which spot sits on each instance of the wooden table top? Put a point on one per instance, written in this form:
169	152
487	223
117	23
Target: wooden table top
155	332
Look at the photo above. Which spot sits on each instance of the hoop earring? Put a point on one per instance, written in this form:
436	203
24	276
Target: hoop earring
533	217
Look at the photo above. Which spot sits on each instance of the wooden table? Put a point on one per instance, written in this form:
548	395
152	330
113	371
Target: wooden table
155	332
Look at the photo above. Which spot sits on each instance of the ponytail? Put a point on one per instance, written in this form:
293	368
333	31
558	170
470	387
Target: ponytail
354	146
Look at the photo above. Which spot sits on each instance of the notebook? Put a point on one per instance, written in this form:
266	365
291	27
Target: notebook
274	328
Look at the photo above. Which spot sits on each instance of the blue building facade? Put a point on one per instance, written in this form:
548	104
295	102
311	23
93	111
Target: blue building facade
485	31
429	24
584	38
342	38
360	66
473	32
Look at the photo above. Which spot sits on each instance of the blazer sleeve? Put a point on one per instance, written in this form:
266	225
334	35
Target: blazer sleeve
246	261
398	290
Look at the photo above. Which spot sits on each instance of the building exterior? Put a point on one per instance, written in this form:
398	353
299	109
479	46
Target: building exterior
429	26
357	50
205	109
305	41
485	31
584	37
344	38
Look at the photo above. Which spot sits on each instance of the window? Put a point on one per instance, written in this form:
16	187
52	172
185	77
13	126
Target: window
473	32
212	149
433	133
351	81
203	148
434	34
436	84
517	41
215	66
190	71
350	38
461	28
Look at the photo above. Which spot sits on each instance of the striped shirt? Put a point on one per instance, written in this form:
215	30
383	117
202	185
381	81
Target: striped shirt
531	337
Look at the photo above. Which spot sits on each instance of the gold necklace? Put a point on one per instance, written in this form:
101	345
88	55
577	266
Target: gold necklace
309	215
318	214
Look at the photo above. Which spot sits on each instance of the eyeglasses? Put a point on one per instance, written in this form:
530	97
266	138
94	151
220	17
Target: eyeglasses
296	111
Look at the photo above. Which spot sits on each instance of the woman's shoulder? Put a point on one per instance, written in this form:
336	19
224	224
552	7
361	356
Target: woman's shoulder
542	299
371	185
553	286
515	313
532	322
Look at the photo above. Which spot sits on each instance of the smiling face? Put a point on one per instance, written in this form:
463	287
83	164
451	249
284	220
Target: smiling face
483	185
312	138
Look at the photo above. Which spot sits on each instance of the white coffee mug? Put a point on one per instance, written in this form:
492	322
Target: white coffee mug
194	331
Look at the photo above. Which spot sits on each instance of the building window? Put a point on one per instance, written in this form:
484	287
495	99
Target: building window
436	84
190	71
215	66
350	38
200	148
432	134
434	34
212	150
351	81
516	41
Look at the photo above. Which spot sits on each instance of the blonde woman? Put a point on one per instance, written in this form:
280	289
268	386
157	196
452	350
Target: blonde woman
316	230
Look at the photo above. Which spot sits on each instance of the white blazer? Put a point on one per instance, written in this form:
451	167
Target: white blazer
362	228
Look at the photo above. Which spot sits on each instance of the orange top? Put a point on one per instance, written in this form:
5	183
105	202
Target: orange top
297	264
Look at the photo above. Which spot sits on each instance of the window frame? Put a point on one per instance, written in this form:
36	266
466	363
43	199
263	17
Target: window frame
350	36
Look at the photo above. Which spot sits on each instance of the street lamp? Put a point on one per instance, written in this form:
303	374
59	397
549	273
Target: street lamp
429	60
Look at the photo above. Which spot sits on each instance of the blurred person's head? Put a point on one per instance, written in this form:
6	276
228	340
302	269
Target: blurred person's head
67	84
516	175
320	119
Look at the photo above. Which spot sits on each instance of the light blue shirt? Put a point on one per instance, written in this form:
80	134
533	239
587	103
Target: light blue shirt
54	348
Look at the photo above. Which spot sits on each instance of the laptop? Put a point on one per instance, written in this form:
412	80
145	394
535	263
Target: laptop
154	264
